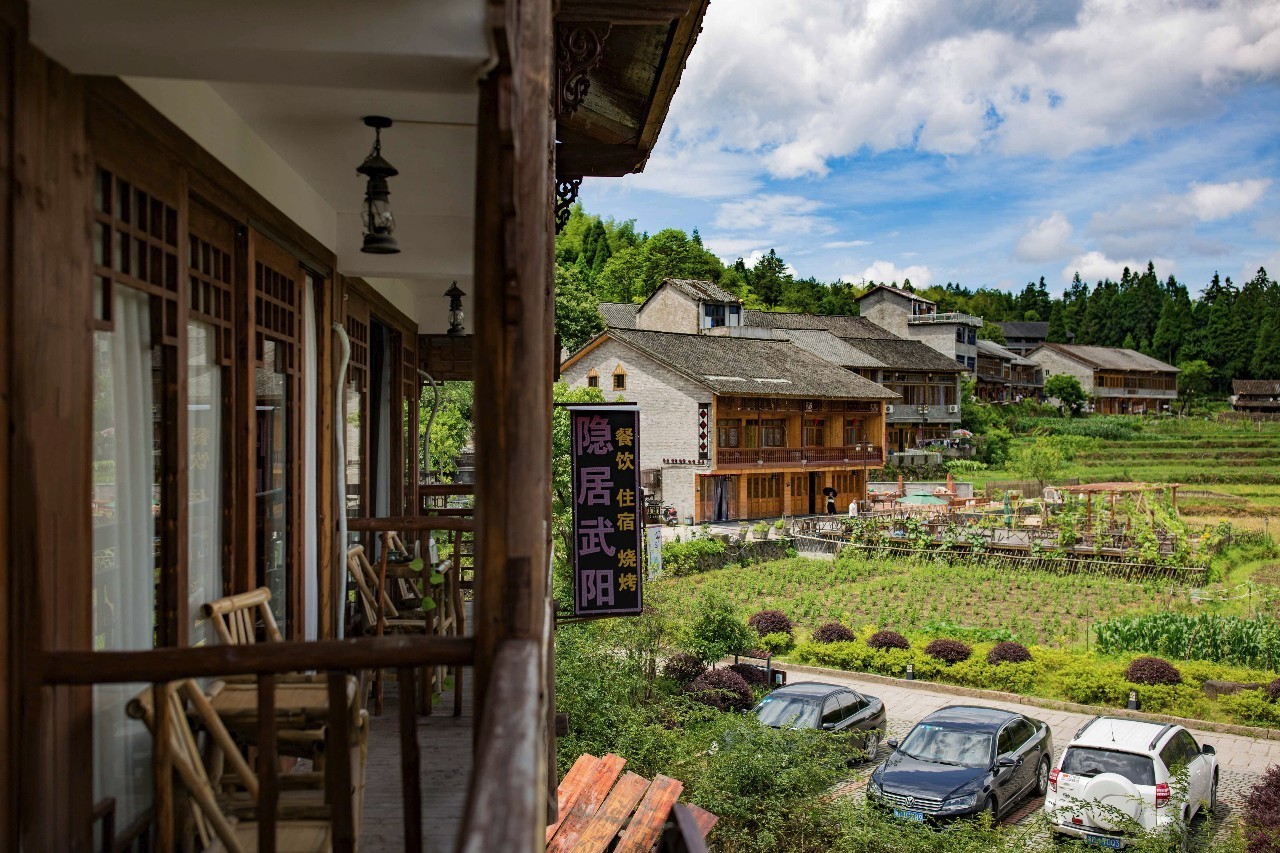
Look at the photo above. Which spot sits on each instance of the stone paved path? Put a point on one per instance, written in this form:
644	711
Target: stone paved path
1241	759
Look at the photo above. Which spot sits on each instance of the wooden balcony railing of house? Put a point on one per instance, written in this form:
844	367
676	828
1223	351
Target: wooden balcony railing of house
754	457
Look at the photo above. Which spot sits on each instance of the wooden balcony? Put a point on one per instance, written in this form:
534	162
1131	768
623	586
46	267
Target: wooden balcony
774	457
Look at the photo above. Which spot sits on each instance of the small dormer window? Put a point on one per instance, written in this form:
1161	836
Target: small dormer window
619	379
713	315
735	315
593	378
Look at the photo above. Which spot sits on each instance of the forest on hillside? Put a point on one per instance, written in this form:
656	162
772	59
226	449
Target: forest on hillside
1235	328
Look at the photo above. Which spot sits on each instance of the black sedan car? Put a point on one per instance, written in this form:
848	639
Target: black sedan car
814	705
964	760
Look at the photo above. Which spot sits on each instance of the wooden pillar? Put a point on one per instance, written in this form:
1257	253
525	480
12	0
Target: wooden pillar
11	24
47	275
514	358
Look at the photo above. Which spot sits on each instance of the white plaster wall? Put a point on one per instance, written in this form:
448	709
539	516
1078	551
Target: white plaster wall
886	311
202	114
1055	362
669	310
668	413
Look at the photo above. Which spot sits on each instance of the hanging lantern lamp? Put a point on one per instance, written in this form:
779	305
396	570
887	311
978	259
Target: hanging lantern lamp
376	218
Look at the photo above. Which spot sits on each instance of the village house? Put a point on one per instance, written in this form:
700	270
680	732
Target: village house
1117	381
739	427
217	336
1004	376
909	315
1256	395
1022	337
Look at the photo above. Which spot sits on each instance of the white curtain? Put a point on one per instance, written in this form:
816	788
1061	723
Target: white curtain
124	544
310	514
204	466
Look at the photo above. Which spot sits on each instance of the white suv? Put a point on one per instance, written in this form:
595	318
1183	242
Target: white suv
1118	775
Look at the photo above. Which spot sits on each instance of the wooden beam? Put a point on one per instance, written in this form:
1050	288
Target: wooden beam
623	11
410	522
50	428
598	160
684	34
12	23
168	664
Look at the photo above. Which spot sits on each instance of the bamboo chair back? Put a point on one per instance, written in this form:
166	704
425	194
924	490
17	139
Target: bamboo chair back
210	822
366	578
235	617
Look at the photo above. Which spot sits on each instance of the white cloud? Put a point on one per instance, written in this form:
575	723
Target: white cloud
888	272
1218	201
774	214
1095	266
796	85
1046	240
846	244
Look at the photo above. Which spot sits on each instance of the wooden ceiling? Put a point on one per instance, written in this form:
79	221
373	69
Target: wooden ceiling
627	56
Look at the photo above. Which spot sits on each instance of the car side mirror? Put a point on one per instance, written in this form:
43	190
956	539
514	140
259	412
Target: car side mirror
828	726
1006	761
892	742
1205	749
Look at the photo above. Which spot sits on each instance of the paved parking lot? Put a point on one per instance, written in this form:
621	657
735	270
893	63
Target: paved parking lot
1241	759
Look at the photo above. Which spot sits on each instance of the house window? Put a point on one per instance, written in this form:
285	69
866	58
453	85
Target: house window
970	362
960	360
735	316
593	379
770	432
815	432
959	336
713	315
619	379
852	431
973	336
729	432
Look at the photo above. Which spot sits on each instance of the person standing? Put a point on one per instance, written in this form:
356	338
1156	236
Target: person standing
830	494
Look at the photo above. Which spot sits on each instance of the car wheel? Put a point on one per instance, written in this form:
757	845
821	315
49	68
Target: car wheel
1042	777
872	744
1184	832
993	809
1213	794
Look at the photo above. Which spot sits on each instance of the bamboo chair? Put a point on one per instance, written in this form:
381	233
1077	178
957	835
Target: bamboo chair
235	617
216	820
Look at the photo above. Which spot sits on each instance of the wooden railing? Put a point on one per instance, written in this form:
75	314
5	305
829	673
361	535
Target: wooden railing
733	457
337	658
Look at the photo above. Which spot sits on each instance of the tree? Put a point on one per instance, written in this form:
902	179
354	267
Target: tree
716	629
992	332
449	431
1066	389
1194	380
578	317
1266	358
1040	461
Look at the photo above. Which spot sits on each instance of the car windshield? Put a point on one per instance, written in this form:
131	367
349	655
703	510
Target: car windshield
961	747
1087	761
788	712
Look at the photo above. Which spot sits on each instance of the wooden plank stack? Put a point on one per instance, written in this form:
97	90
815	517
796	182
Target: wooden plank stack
595	805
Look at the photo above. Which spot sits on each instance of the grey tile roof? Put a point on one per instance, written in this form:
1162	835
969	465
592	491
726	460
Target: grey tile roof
828	347
1260	387
1109	358
701	290
900	354
840	325
915	297
621	315
1027	329
994	350
729	365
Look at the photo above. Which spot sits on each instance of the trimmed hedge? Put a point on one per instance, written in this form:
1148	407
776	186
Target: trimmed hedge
1149	670
771	622
683	668
949	651
722	689
753	675
888	640
1008	652
833	632
1273	690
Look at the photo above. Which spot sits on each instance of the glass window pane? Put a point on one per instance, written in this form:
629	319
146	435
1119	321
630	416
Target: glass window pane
205	478
271	455
354	441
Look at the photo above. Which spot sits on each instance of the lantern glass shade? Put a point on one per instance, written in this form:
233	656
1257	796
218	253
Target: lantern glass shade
378	219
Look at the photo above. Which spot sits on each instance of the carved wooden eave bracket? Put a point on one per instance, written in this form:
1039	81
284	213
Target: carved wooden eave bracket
566	195
579	49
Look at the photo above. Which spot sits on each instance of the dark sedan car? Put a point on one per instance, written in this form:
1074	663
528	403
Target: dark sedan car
814	705
964	760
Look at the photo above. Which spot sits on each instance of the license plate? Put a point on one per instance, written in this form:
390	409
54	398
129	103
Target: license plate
907	814
1103	841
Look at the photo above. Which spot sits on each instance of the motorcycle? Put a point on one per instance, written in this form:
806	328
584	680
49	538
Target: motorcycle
669	516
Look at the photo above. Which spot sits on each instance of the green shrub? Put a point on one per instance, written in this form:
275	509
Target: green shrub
1252	707
699	554
1093	684
717	630
777	643
1201	636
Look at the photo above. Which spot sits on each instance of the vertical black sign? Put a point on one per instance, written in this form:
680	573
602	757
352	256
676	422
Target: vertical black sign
607	511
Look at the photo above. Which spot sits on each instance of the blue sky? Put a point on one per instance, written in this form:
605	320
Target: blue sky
988	143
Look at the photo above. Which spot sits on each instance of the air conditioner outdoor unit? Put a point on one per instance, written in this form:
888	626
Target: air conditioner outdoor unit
953	410
888	410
